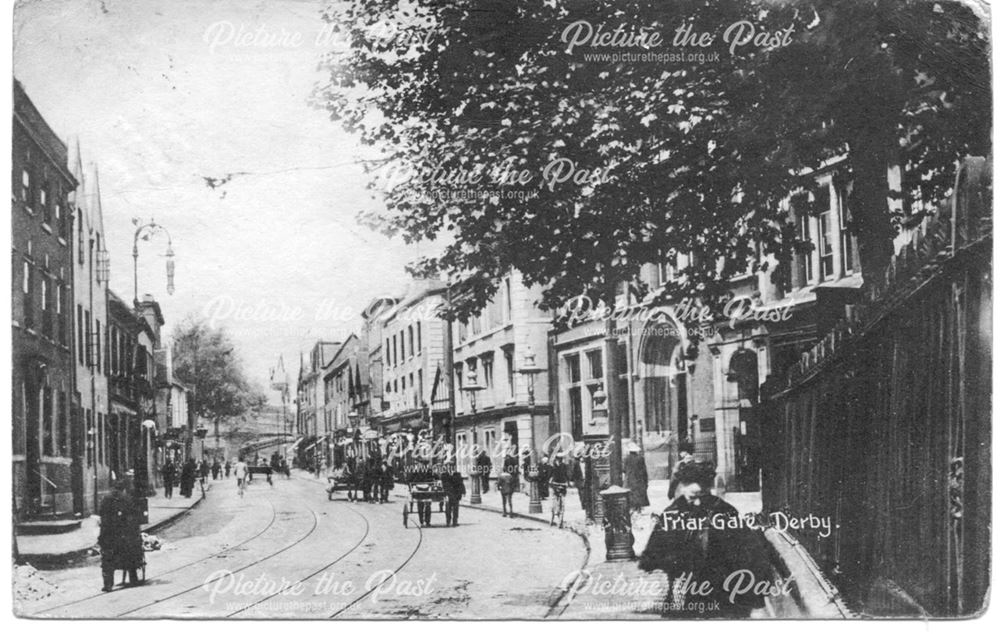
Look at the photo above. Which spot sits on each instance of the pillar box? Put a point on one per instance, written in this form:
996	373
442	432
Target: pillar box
618	538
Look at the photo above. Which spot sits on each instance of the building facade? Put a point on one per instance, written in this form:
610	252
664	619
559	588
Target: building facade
345	391
90	312
414	379
309	401
489	350
131	341
48	444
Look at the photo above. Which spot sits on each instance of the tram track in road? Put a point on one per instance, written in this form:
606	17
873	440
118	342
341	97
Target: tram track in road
420	541
367	593
257	562
318	570
160	575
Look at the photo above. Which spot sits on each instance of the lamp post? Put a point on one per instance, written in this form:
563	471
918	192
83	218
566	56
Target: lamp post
471	387
146	231
529	369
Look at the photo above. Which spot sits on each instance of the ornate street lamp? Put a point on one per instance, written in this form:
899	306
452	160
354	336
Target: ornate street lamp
471	387
529	369
145	232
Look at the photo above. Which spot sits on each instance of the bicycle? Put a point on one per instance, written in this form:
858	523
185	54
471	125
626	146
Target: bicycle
558	502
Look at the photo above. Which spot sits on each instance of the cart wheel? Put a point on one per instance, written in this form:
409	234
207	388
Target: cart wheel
406	513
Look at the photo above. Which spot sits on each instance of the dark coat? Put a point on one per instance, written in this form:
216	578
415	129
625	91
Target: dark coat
453	484
169	474
120	538
709	554
187	477
483	463
637	480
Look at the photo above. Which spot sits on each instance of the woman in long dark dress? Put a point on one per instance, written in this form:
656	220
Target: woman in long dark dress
188	474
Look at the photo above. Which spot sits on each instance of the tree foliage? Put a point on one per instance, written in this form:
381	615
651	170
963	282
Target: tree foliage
205	359
669	158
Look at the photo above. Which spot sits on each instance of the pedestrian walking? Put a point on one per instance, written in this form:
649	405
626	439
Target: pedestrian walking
374	480
454	487
188	477
636	478
543	478
227	468
698	538
120	537
216	468
169	472
203	470
560	483
484	466
581	476
388	480
507	484
240	471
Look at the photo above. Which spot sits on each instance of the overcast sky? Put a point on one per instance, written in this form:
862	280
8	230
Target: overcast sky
161	96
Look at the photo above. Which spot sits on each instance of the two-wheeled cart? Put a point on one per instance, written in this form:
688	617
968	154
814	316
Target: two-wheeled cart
429	495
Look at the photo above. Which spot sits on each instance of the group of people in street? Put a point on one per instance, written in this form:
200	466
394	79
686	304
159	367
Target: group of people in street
190	472
370	479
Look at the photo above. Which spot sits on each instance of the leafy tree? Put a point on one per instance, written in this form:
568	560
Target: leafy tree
205	359
691	158
886	82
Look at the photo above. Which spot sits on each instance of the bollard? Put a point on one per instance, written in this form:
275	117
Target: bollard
618	538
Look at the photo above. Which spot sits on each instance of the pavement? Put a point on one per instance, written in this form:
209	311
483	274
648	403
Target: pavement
47	551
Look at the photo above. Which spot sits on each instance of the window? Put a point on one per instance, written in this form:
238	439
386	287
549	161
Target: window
420	345
805	262
43	202
80	340
89	353
488	371
409	332
60	318
827	240
46	314
575	412
62	415
848	241
420	385
29	308
48	423
507	308
595	363
402	344
26	188
80	243
508	357
573	368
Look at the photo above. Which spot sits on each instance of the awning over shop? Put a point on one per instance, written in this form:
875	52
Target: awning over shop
296	444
